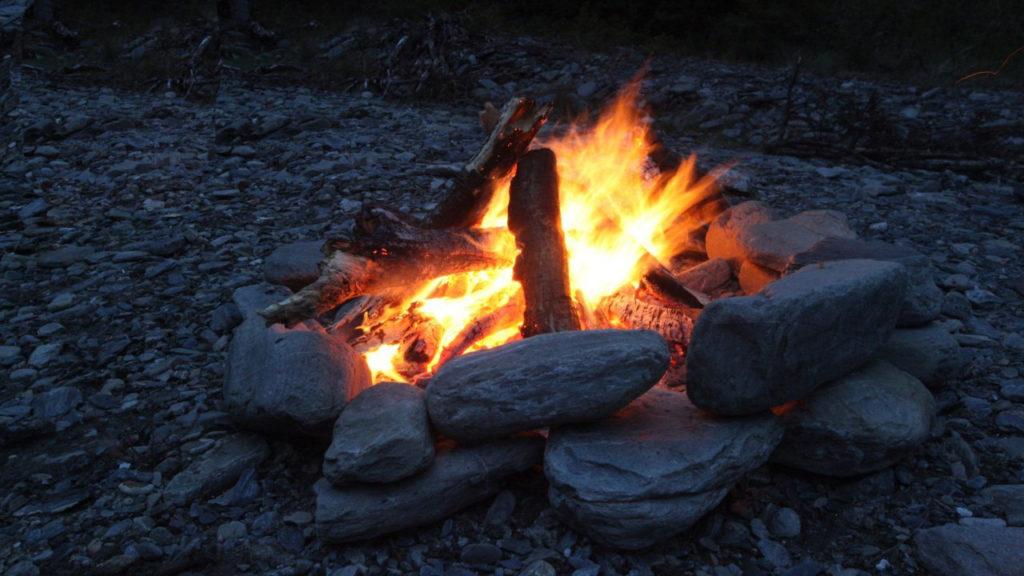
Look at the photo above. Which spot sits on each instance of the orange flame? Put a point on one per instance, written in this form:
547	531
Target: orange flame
616	209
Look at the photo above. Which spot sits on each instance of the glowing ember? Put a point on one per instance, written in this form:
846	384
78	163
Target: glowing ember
616	210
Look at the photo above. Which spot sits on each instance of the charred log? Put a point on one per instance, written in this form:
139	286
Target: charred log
382	266
466	203
509	313
542	266
631	309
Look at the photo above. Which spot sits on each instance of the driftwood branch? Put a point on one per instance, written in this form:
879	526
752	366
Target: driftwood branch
542	267
466	203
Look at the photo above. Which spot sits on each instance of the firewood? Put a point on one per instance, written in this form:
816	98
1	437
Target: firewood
466	203
542	266
483	325
631	309
383	262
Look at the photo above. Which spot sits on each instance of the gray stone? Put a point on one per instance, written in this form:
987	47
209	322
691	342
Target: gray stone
253	298
751	353
723	237
545	380
774	243
861	423
458	477
217	468
954	550
294	265
929	353
1008	500
923	301
754	277
284	380
44	354
56	402
784	523
653	469
707	277
383	435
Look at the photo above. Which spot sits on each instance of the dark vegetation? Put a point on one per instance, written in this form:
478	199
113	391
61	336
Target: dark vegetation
936	42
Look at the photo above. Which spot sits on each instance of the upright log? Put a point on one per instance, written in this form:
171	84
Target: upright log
466	203
542	267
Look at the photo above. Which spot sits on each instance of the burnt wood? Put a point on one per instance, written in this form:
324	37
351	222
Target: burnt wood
542	266
385	255
466	203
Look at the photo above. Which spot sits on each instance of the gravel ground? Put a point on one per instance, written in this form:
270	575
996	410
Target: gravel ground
121	239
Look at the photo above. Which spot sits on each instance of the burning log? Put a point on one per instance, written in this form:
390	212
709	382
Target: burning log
675	324
542	266
465	205
387	254
506	314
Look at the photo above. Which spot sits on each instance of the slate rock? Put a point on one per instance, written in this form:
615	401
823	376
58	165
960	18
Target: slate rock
923	302
955	550
751	353
255	297
545	380
294	265
652	469
773	243
296	380
930	353
457	478
863	422
723	237
706	277
383	435
217	468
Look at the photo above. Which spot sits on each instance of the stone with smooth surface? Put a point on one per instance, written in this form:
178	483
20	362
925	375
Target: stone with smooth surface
382	435
294	265
458	477
923	301
545	380
861	423
723	237
653	469
773	243
956	550
751	353
930	353
297	380
255	297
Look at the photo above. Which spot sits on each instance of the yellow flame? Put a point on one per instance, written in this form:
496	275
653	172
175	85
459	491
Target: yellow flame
616	210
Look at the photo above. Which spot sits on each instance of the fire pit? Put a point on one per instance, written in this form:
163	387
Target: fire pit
553	307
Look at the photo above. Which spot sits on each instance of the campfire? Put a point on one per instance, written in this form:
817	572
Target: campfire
575	230
580	284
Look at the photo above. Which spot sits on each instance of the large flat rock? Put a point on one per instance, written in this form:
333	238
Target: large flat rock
955	550
545	380
860	423
297	380
383	435
457	478
653	469
923	300
751	353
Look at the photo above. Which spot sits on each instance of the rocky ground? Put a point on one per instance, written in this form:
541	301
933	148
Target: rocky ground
129	218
